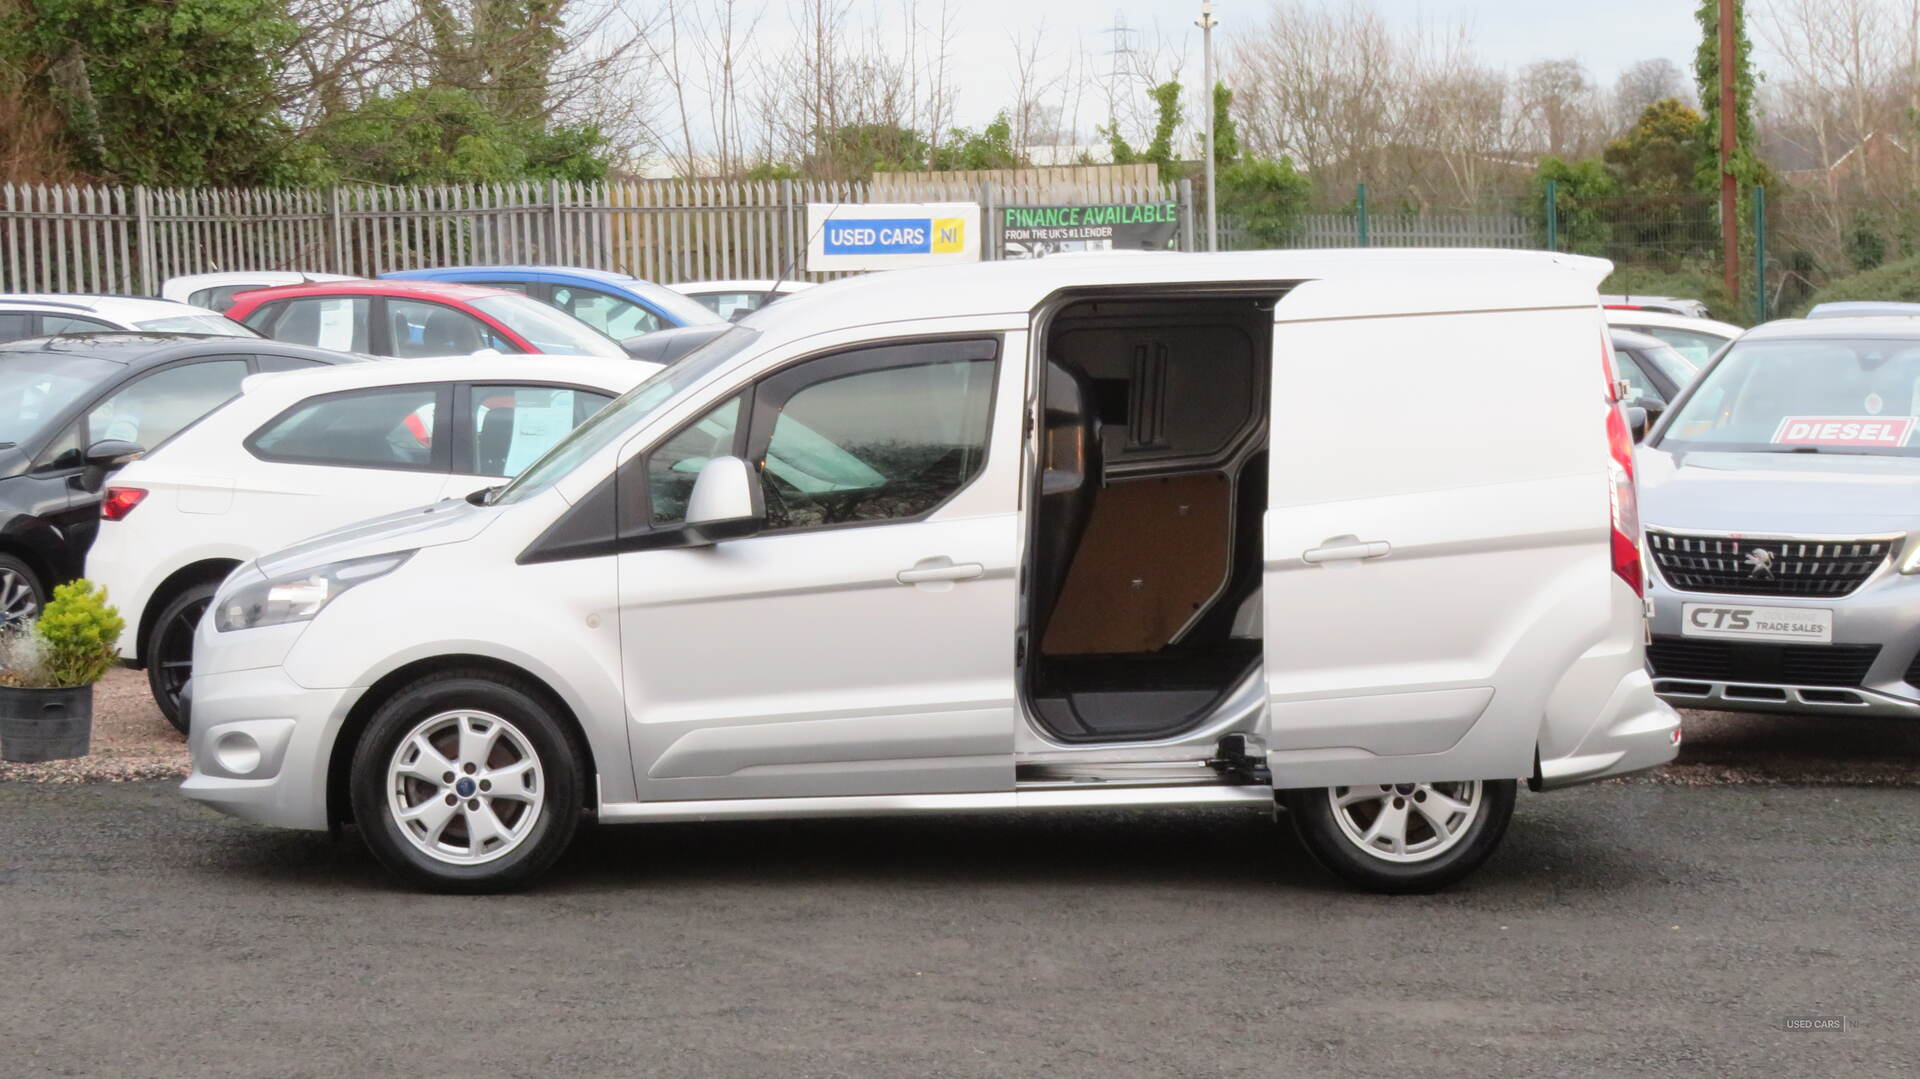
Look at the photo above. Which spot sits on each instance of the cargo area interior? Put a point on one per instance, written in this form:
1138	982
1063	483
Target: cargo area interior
1143	594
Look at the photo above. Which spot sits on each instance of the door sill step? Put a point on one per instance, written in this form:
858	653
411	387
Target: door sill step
1084	796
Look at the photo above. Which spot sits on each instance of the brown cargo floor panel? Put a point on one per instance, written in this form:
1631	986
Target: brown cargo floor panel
1154	553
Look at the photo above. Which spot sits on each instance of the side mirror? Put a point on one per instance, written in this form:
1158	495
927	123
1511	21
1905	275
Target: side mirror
105	456
1637	422
726	502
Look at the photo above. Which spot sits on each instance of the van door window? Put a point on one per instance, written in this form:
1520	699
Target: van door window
880	434
676	463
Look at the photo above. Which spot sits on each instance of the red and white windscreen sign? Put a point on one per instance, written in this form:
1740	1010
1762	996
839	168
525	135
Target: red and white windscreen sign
1891	431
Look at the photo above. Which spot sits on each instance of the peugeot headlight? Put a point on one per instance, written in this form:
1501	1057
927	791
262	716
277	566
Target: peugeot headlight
297	597
1911	564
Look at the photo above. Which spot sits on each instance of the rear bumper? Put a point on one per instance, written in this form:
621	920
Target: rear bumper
1635	731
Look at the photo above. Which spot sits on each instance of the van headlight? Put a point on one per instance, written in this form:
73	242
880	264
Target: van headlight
297	597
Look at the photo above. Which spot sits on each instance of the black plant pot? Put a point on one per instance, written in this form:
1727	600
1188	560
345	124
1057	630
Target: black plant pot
45	724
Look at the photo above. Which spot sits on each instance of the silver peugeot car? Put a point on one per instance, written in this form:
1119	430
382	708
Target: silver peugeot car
1780	498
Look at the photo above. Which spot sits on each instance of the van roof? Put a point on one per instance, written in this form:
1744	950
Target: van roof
1347	284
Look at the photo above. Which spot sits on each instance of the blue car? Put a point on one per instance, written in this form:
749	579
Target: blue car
617	305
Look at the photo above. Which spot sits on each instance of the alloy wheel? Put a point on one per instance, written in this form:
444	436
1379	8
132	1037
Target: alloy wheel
1406	822
19	603
465	787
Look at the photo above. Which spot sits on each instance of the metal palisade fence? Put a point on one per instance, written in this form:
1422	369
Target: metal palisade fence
129	240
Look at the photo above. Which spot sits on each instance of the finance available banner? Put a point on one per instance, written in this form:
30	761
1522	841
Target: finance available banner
890	236
1037	231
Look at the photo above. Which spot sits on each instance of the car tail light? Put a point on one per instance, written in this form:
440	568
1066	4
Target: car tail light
1625	504
120	501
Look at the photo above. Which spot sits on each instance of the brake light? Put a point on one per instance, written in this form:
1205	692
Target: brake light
120	501
1624	503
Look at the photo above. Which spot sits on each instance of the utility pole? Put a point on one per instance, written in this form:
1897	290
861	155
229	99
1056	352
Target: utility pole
1206	24
1729	187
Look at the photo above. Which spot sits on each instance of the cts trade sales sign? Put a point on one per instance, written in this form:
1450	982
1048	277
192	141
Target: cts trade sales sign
887	236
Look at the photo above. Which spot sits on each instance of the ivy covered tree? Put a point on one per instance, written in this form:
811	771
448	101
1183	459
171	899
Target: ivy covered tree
444	134
1747	167
1168	115
173	92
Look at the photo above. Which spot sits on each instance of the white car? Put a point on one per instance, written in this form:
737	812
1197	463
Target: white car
46	314
1696	339
1058	534
305	452
732	299
216	291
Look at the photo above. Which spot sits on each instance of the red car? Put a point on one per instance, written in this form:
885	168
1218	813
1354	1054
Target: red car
416	318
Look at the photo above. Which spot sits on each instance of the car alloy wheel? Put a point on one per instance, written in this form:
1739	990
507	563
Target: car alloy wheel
19	599
1405	822
465	787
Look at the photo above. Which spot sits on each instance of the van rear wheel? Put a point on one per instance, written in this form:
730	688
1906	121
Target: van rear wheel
466	783
1399	838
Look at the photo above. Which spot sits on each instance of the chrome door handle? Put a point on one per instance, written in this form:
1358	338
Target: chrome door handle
1347	552
939	568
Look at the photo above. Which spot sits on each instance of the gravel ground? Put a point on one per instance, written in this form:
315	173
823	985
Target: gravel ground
132	740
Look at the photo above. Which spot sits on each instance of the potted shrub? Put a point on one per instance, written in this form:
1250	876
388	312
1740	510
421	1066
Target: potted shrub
47	672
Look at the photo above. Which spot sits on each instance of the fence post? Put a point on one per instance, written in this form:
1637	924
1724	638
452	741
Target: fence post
791	264
989	249
1759	254
1360	214
143	233
1186	214
1553	216
337	231
552	254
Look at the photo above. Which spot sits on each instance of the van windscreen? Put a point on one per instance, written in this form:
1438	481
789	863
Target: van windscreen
626	412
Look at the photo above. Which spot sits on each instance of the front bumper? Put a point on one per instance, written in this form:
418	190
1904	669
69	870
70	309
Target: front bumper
1884	612
261	744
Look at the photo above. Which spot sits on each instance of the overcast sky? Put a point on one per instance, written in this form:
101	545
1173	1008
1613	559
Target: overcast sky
1606	35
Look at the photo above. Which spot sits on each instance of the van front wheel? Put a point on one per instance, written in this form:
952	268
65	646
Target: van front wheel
466	783
1401	838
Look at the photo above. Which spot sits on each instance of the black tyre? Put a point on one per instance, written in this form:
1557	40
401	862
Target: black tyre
169	648
467	782
21	592
1403	838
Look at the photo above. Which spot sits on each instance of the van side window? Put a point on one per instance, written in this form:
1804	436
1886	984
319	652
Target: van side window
676	463
875	435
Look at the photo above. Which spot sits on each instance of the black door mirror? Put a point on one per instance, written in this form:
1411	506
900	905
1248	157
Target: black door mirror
106	456
1637	422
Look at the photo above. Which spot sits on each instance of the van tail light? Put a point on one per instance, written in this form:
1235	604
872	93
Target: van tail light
120	501
1625	503
1625	506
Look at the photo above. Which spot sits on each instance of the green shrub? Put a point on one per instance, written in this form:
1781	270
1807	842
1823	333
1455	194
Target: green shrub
79	634
1897	280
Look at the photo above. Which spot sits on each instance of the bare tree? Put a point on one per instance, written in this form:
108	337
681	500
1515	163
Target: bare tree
1644	82
1560	108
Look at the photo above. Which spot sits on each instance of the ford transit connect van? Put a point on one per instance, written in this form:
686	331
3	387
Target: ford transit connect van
1349	533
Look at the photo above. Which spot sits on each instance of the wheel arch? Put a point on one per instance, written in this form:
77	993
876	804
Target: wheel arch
204	570
339	801
35	560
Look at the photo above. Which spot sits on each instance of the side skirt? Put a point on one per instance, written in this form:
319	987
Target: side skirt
900	804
